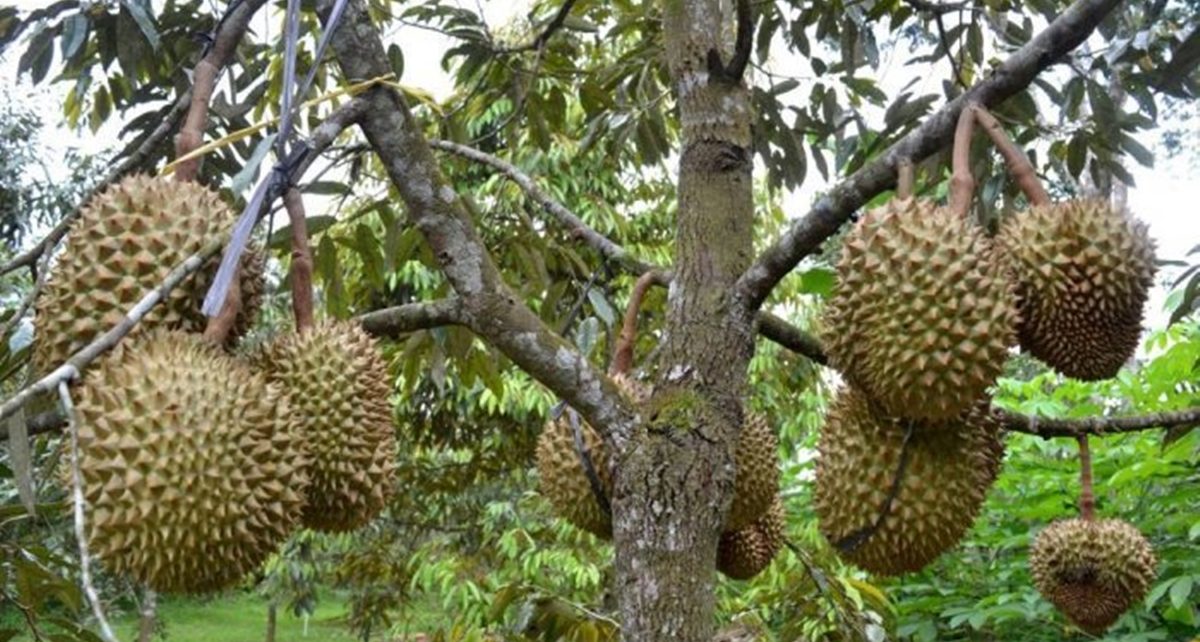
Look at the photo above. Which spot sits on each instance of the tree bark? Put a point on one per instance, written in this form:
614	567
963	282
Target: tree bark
271	615
674	479
147	616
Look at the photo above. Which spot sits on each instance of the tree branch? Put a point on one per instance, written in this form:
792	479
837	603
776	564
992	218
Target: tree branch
395	321
574	224
806	234
1047	428
789	336
489	307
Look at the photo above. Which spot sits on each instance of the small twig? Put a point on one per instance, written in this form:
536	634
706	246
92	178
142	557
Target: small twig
542	38
789	336
302	263
623	356
954	66
410	317
962	183
1018	163
1087	497
85	558
27	613
574	224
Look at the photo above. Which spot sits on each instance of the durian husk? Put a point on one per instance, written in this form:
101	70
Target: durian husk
746	552
1092	570
191	465
339	388
923	314
1084	270
944	483
565	484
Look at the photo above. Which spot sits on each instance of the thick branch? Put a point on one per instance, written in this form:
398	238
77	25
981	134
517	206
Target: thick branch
1046	428
574	224
806	234
393	322
791	337
490	308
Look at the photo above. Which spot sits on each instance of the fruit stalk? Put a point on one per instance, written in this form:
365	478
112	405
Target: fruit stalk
1087	498
962	183
904	178
623	357
302	263
1018	163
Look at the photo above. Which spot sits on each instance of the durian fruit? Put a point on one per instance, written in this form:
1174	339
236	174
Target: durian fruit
565	482
922	315
745	552
339	386
1092	570
563	479
946	475
124	243
1083	269
191	466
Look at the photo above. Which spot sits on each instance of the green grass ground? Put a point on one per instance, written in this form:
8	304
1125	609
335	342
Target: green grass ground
237	617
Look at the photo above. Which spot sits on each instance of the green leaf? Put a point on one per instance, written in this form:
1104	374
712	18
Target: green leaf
75	31
819	281
601	306
396	60
587	334
139	10
1137	150
242	180
1180	591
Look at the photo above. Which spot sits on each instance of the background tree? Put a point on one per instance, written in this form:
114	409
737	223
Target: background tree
634	128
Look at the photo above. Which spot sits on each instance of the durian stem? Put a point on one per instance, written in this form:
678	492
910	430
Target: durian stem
1087	497
854	539
962	183
302	263
219	327
623	357
904	178
1018	163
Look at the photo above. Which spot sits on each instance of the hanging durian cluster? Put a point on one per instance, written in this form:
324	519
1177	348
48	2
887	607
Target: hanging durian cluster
195	465
920	323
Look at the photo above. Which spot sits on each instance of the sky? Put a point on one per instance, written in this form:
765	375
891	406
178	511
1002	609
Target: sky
1165	196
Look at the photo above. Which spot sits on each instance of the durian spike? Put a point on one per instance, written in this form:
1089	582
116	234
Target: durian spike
962	183
623	356
1087	497
1018	163
302	263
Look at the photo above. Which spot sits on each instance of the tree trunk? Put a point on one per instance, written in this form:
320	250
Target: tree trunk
272	610
147	615
675	476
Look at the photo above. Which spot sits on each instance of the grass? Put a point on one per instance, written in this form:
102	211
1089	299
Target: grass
236	617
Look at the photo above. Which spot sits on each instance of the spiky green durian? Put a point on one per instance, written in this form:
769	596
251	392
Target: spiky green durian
936	481
565	483
125	242
745	552
922	315
1083	269
191	466
339	388
1092	570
